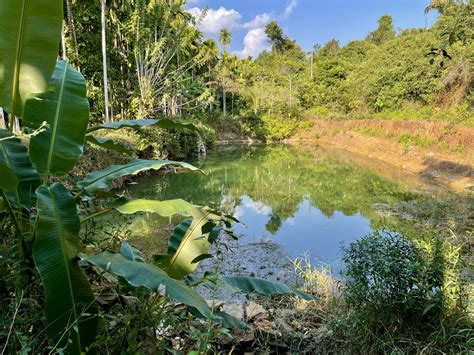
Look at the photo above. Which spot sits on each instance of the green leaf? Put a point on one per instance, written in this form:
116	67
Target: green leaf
65	108
161	123
139	274
130	253
29	45
14	155
110	144
69	299
162	208
8	180
264	287
100	179
187	244
178	235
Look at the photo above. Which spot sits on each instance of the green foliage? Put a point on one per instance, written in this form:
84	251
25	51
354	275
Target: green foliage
65	108
28	53
385	273
70	305
276	129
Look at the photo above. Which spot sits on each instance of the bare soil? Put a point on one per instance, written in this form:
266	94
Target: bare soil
437	151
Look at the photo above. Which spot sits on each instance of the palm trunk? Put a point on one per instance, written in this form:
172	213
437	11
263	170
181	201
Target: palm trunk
72	27
104	60
224	102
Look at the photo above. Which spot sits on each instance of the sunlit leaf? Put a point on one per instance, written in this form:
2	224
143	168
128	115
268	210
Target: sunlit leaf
264	287
100	179
29	45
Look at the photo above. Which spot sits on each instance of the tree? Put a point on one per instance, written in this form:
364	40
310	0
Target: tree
384	32
104	58
224	38
278	40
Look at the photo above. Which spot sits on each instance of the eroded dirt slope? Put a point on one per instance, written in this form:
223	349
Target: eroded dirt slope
439	151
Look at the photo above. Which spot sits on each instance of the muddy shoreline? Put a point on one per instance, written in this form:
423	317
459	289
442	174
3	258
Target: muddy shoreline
438	152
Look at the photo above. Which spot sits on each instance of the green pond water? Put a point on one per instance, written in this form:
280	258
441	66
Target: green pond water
305	200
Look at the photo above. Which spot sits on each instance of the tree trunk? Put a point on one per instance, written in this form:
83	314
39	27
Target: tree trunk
312	66
3	122
72	27
224	102
104	60
63	43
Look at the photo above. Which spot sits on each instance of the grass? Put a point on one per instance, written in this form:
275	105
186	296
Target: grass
371	131
408	141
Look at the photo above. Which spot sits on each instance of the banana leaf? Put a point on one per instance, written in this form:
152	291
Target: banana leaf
70	304
8	180
264	287
14	155
110	144
100	179
29	45
162	208
187	244
65	108
140	274
161	123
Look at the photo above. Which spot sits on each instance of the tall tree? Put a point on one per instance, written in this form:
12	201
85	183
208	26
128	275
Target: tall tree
224	39
103	19
384	32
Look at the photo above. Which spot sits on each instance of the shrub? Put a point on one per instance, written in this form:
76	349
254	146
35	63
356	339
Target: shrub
276	129
385	274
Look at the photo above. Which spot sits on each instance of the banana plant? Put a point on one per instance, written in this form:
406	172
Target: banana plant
50	98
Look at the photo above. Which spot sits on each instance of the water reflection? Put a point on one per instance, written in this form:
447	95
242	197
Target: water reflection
304	201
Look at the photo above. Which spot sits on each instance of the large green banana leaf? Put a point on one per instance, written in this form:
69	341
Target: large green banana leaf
140	274
70	303
162	208
130	252
29	45
8	180
264	287
100	179
65	108
187	244
162	123
14	155
110	144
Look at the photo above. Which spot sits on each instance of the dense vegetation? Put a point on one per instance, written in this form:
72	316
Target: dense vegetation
158	63
72	283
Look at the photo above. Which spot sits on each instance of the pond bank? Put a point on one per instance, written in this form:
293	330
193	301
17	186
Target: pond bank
437	151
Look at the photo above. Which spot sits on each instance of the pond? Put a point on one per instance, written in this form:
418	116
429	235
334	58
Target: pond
301	200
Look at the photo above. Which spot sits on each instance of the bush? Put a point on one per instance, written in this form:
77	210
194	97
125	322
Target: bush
385	274
277	129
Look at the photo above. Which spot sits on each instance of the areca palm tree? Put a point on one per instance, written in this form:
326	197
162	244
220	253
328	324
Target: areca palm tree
104	58
224	38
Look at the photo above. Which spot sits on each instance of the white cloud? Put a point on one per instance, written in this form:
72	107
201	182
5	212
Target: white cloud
255	42
258	21
216	20
290	8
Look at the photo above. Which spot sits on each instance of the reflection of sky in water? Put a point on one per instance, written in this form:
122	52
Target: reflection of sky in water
308	230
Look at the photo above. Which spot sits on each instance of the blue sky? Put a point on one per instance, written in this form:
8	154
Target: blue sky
307	21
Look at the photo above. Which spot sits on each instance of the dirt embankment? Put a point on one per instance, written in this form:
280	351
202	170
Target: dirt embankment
438	151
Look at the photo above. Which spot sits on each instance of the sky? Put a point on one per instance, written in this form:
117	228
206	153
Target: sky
309	22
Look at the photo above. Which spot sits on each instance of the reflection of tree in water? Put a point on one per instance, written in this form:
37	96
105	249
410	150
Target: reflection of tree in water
274	224
281	177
